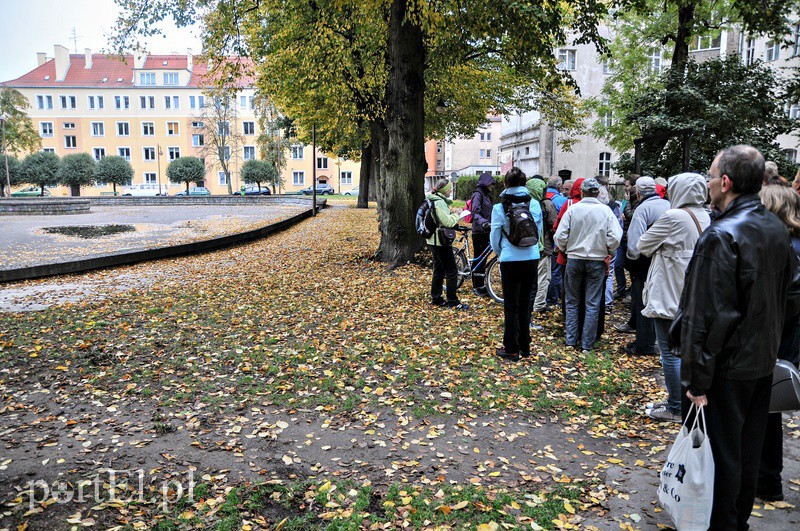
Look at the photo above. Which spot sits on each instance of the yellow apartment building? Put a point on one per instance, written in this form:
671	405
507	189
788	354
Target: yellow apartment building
152	109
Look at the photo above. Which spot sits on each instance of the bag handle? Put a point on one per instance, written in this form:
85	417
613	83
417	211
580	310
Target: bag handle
694	218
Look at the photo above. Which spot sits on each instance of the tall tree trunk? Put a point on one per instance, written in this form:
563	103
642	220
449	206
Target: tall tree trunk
364	173
403	159
680	54
75	190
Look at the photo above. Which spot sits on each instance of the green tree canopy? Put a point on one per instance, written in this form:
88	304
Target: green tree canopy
115	170
723	102
20	133
76	170
259	172
186	170
13	174
40	169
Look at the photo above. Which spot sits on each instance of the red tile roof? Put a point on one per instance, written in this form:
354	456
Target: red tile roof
107	70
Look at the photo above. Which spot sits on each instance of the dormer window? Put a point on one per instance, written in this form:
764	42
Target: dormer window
147	78
171	78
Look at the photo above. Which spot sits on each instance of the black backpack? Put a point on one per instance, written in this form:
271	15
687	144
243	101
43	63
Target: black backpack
426	224
522	231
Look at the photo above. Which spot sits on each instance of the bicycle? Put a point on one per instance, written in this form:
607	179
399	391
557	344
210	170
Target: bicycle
463	256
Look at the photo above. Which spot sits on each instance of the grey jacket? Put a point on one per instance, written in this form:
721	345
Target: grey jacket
644	216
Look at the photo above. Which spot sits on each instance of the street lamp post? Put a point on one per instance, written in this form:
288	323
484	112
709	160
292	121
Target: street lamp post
3	118
339	165
158	175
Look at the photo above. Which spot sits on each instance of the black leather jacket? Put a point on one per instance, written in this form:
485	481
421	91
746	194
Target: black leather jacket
742	280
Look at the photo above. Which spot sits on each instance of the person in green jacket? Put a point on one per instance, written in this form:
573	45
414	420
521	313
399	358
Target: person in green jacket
444	263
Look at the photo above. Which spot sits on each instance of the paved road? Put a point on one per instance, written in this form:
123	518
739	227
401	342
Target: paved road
24	242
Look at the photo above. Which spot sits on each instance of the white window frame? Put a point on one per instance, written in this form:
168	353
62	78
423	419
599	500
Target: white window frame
772	51
98	153
48	150
223	178
176	130
68	102
198	140
298	152
172	78
604	164
150	177
96	102
44	101
147	78
124	152
126	126
147	150
322	163
173	152
98	129
67	142
567	59
750	51
346	178
69	125
655	58
252	128
147	103
172	102
252	150
46	129
151	128
298	178
223	128
242	102
122	102
198	125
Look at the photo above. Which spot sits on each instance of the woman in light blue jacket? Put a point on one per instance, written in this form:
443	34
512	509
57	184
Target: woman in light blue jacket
518	266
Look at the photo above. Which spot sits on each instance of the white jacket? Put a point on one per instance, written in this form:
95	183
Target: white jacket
589	230
670	241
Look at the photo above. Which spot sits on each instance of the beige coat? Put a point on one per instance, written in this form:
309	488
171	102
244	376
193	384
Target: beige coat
670	241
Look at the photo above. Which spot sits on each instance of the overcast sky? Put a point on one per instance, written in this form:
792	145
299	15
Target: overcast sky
32	26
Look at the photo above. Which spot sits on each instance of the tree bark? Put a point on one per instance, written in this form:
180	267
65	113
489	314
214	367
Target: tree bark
75	190
400	188
364	175
680	54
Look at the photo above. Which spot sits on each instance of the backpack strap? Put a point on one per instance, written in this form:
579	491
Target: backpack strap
694	218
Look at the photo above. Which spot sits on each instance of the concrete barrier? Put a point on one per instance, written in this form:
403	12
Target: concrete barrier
233	200
43	206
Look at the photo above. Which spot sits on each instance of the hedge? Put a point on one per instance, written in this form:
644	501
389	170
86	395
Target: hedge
466	184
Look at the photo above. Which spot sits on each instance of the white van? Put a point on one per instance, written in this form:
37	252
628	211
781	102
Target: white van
144	190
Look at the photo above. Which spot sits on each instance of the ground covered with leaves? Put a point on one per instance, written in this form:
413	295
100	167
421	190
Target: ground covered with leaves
295	383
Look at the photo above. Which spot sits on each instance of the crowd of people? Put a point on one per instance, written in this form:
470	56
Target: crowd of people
714	291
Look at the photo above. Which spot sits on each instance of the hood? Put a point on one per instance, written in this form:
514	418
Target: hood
537	188
430	195
516	191
687	189
575	191
485	180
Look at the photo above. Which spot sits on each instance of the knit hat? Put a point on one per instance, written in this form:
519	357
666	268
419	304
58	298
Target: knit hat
445	188
645	185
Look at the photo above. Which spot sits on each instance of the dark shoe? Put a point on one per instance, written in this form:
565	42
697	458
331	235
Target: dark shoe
438	302
624	328
524	353
507	355
777	496
458	305
664	415
628	350
480	292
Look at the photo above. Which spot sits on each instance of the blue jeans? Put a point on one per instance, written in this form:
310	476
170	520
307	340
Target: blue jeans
610	285
584	277
554	291
619	267
671	363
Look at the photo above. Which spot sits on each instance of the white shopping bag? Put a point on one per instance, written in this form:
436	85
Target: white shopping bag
686	490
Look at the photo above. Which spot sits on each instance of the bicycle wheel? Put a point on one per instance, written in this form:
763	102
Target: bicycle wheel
462	265
494	280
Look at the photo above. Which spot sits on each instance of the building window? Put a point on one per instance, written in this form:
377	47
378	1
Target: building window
149	153
566	59
527	150
298	178
48	150
198	141
607	68
438	148
347	177
98	129
223	128
249	128
174	153
171	78
201	102
706	42
773	51
793	111
172	129
171	102
123	129
192	102
147	102
655	60
249	152
750	53
68	102
297	152
70	142
122	102
226	151
150	177
148	129
796	47
99	153
95	102
46	129
223	178
604	166
198	125
243	102
69	125
44	102
125	153
607	119
322	163
147	78
790	154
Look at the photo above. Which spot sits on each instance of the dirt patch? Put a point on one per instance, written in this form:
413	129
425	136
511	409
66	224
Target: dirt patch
88	232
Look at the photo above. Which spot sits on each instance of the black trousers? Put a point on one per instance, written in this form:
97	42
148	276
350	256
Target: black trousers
444	270
736	416
645	326
518	281
479	244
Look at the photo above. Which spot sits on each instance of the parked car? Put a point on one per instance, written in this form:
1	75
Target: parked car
354	191
253	190
145	190
197	190
322	189
31	191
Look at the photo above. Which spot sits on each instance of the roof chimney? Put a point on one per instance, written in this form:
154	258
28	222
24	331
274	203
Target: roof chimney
41	58
88	55
139	59
189	60
62	62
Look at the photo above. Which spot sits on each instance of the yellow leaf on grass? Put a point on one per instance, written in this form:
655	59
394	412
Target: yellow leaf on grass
460	505
569	508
